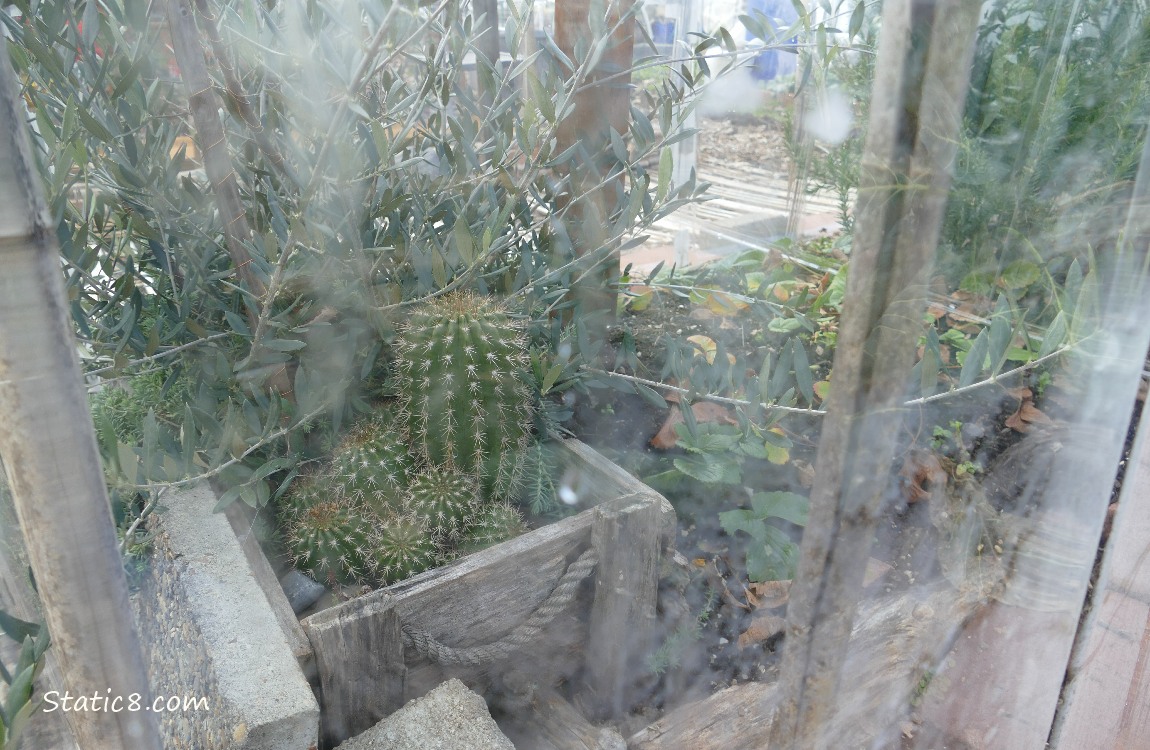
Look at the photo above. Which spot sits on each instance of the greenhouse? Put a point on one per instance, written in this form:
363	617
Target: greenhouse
574	374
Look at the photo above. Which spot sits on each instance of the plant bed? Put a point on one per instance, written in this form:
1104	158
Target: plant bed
481	598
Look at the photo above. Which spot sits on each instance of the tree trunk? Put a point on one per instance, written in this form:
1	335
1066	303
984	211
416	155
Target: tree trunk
49	450
599	109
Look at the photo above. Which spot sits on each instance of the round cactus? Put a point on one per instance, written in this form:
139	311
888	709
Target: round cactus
327	539
460	369
446	500
371	466
402	546
496	523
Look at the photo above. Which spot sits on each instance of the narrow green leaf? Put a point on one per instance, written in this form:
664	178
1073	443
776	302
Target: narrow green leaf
550	378
651	396
284	345
803	372
666	168
463	242
975	360
856	22
1055	335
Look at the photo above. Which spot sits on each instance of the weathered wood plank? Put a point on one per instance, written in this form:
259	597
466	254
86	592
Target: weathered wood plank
549	722
626	535
360	659
482	596
1127	568
999	687
734	718
1106	701
1109	704
895	641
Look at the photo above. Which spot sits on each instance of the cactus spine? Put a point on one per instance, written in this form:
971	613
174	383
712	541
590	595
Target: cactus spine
327	539
496	523
371	467
460	371
448	501
401	547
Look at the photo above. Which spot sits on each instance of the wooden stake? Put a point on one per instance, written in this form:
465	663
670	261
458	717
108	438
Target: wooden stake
626	534
49	450
361	669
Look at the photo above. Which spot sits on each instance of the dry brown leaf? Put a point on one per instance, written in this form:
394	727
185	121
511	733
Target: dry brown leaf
762	629
921	472
704	411
806	473
768	594
1015	422
1031	413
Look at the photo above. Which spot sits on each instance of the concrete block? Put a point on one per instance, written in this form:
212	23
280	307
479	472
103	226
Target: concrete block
450	717
257	693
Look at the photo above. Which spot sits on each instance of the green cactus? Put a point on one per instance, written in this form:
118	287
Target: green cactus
327	539
447	500
496	523
371	466
402	546
460	369
537	492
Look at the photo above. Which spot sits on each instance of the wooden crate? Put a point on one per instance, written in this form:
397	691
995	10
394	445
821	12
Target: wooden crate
480	598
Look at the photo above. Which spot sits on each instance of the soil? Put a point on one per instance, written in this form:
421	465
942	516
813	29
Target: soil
709	592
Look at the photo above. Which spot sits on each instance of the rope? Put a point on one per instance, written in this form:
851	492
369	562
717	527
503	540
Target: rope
524	633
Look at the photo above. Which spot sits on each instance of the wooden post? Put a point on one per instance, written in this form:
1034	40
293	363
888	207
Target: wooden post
361	670
49	450
600	108
925	52
626	534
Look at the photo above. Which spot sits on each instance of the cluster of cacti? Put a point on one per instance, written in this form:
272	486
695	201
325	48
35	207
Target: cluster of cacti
437	481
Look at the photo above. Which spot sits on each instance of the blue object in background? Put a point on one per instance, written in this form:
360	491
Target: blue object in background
770	62
663	30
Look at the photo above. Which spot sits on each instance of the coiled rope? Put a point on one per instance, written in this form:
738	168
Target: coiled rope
475	656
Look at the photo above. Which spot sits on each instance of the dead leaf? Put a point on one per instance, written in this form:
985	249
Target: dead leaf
705	346
768	594
762	629
1031	413
1027	413
921	473
806	473
722	303
704	411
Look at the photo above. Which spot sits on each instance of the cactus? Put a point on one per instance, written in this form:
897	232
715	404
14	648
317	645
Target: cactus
447	500
460	369
497	523
401	547
537	492
327	539
371	466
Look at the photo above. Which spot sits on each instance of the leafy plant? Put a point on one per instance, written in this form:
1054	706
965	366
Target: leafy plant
18	706
771	555
278	305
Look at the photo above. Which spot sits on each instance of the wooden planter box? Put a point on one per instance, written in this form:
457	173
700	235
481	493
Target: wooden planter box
480	598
